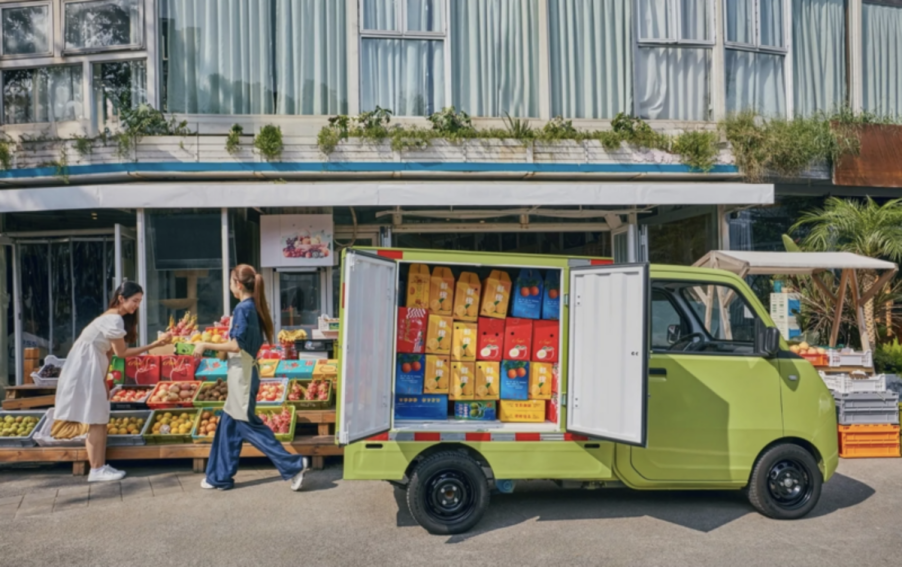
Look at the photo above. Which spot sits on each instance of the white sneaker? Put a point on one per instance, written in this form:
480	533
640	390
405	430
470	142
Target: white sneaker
207	485
105	474
297	482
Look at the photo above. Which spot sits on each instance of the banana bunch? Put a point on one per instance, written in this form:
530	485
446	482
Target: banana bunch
286	336
67	429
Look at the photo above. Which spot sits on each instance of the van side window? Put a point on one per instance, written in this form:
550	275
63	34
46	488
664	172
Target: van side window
665	319
723	312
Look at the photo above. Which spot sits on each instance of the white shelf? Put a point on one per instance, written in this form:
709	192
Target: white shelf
455	425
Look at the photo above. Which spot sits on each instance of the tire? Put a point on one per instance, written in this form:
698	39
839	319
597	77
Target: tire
785	483
448	493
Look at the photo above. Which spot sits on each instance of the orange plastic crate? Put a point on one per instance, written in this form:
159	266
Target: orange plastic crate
819	360
863	441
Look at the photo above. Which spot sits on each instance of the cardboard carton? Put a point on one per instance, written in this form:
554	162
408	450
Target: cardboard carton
142	370
476	411
551	296
530	411
488	375
517	339
296	369
412	330
514	380
326	369
527	292
546	341
540	380
267	368
439	334
437	379
177	368
441	292
212	369
418	286
463	380
410	374
463	342
552	410
490	339
116	373
555	378
422	407
466	297
496	295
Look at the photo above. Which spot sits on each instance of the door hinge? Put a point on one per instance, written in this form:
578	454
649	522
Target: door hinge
563	400
567	299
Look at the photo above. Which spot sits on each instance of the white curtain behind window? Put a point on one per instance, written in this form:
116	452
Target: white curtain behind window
672	83
740	22
220	56
425	15
654	19
882	65
818	55
755	81
405	76
311	57
58	94
590	59
695	20
495	56
378	15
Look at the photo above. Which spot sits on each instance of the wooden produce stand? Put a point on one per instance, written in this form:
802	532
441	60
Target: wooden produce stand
29	397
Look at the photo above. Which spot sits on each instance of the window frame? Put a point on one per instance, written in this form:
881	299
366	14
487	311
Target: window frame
757	47
88	50
51	34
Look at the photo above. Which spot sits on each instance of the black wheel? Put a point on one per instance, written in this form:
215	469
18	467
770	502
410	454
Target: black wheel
785	483
448	493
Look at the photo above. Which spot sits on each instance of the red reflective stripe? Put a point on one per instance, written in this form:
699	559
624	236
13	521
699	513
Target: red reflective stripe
427	436
393	254
528	437
479	437
342	296
383	437
600	262
572	437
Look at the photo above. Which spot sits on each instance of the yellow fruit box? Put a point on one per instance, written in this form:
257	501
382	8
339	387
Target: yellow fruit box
496	295
326	369
466	297
441	291
438	335
487	380
267	368
463	342
418	283
540	380
517	411
438	374
463	380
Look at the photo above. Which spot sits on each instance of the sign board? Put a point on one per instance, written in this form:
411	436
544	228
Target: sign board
296	241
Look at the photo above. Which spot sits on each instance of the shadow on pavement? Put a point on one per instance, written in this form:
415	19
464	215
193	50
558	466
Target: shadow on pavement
703	511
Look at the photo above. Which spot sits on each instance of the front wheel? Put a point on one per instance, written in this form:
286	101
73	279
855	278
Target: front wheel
448	493
785	483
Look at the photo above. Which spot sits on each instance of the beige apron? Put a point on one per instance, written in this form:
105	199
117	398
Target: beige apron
240	380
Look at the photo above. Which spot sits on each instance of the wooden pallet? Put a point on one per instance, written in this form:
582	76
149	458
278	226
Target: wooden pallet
29	397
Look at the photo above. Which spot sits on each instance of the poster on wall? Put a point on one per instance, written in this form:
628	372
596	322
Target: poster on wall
296	241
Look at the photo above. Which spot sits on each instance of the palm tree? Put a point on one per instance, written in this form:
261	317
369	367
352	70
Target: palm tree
862	227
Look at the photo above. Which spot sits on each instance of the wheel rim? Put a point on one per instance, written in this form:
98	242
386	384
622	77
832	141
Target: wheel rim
449	496
789	484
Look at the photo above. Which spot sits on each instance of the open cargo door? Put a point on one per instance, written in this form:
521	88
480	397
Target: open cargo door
607	376
367	349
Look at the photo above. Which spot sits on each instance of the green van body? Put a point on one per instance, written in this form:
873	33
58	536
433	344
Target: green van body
708	420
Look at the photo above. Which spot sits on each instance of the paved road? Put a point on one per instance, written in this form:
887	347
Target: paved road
161	517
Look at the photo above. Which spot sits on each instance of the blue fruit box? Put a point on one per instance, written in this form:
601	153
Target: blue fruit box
411	407
212	369
296	369
516	387
527	295
479	410
551	296
410	374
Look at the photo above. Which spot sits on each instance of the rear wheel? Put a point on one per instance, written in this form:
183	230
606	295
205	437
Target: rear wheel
785	483
448	493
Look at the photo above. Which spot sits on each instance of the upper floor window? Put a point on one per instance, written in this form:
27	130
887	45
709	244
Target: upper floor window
674	40
103	24
818	55
755	56
44	94
882	57
26	29
402	56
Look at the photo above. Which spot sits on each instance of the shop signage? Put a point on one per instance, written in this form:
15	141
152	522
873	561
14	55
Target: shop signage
291	241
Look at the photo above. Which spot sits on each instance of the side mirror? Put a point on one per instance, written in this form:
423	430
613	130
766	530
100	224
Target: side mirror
673	334
767	340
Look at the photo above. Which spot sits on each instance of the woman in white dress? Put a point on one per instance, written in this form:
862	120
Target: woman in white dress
82	394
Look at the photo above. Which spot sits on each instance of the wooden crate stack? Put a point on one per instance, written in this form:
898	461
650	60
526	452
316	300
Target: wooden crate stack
32	363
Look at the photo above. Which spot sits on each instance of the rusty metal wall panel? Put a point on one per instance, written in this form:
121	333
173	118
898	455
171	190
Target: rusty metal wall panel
879	164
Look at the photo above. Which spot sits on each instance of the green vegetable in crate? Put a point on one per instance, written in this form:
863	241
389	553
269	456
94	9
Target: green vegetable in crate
17	426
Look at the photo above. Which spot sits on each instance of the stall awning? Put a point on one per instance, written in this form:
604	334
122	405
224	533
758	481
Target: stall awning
789	263
374	193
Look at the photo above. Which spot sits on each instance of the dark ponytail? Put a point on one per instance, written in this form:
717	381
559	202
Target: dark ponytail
253	282
125	291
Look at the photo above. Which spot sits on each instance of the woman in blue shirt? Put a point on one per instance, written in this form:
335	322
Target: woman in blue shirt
239	423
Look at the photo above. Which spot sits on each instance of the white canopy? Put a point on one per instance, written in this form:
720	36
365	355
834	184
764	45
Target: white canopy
789	263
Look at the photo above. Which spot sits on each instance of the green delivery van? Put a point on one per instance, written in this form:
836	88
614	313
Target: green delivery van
669	378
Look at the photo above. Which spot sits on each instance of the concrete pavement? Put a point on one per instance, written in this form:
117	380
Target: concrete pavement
160	516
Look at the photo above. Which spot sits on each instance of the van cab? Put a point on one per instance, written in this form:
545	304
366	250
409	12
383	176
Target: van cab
669	378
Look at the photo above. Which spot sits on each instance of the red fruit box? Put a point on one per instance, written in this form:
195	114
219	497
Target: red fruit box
517	339
490	339
278	400
303	387
182	403
178	368
143	370
412	330
270	352
545	341
139	403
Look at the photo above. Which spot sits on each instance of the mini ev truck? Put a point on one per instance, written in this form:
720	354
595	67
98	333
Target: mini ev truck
668	378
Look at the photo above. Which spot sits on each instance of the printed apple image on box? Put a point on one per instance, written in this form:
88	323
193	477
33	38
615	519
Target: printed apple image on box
466	297
412	330
545	341
410	374
439	334
488	380
551	297
490	339
514	380
419	283
438	374
496	295
528	288
441	291
463	342
517	339
143	370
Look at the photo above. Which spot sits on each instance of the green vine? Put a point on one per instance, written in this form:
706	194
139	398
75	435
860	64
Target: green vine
698	149
233	140
84	145
6	155
269	142
144	120
62	165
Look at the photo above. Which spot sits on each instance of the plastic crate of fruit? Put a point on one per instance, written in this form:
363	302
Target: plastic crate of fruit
171	395
211	394
849	357
866	441
207	419
134	423
311	394
48	375
170	426
272	392
281	420
17	428
844	383
129	397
